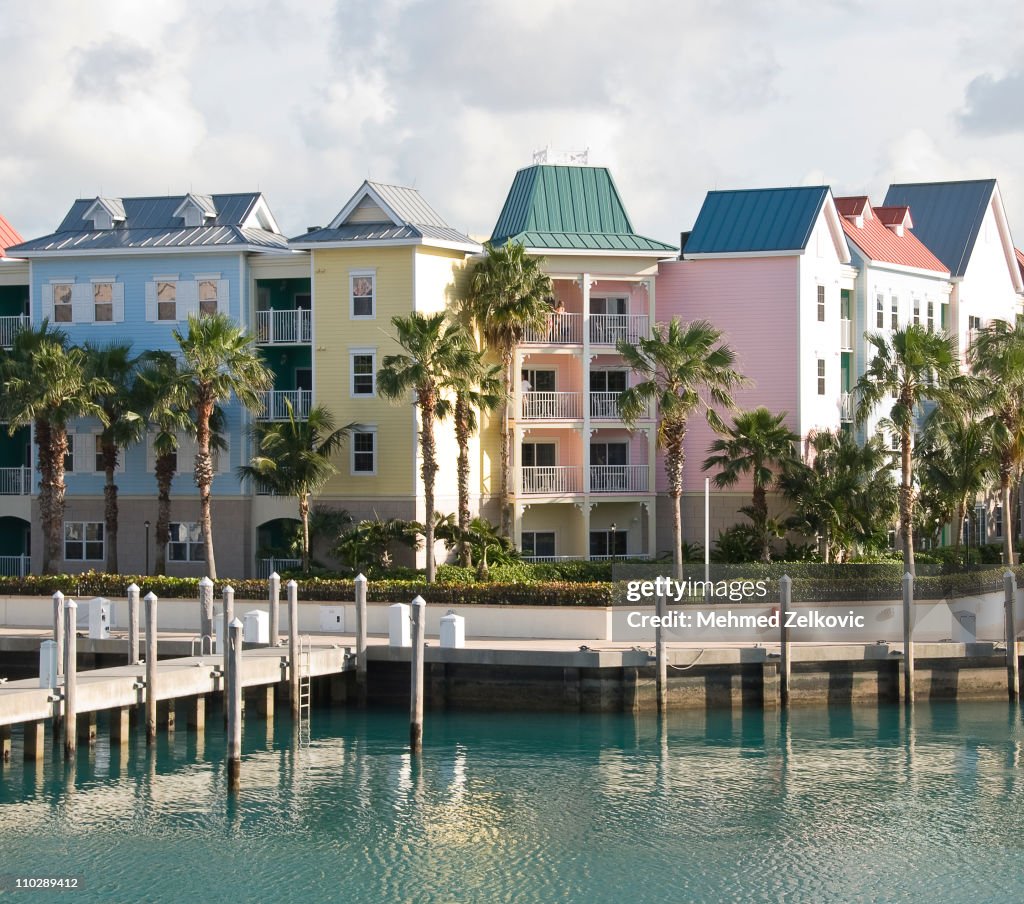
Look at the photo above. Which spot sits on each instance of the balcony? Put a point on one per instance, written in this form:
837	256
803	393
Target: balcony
609	329
274	404
15	481
618	478
284	327
551	480
266	567
10	326
846	335
15	566
551	406
846	408
561	329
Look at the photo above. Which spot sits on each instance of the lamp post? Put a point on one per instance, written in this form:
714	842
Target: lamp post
613	541
145	524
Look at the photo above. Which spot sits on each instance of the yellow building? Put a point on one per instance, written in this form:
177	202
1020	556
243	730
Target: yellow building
386	254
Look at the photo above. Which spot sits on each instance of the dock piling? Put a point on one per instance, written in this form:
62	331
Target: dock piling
151	658
70	678
205	615
58	629
274	596
785	601
660	656
33	750
908	639
5	743
133	624
120	726
293	646
1012	656
418	616
228	598
360	584
234	701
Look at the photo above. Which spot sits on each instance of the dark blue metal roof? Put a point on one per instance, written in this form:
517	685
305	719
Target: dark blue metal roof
757	219
946	215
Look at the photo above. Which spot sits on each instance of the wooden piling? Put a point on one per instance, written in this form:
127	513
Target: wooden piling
660	655
34	734
1012	655
151	660
133	624
785	601
5	743
196	713
234	703
228	598
120	725
58	629
418	618
87	728
908	639
293	646
274	598
360	584
205	616
70	678
263	700
165	715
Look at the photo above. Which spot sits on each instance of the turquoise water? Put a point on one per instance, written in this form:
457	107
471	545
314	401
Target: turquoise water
822	806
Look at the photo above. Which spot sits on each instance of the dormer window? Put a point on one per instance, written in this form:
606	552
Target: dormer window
105	213
196	211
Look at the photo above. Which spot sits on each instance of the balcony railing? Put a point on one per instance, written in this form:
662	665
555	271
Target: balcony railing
9	326
266	567
15	566
551	405
275	404
605	405
618	478
551	480
284	327
15	481
551	559
846	335
561	328
608	329
846	407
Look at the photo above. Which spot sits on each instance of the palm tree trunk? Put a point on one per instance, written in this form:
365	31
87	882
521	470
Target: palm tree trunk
504	490
1005	473
304	516
761	509
110	510
204	479
42	434
907	501
428	470
462	475
675	458
958	528
165	468
58	448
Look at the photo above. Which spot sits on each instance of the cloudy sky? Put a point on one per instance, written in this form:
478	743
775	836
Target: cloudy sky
304	100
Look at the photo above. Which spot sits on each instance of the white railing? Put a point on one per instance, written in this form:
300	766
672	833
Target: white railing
605	405
846	407
15	481
15	566
846	335
283	327
9	326
274	404
551	479
547	560
266	567
628	555
618	478
560	328
540	405
608	329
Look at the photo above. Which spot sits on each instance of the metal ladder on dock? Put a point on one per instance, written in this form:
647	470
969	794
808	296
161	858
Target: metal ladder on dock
305	690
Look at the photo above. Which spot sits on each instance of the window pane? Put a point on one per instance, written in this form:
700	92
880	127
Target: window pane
72	551
177	552
544	543
94	551
197	552
73	530
62	294
207	296
94	531
166	300
362	307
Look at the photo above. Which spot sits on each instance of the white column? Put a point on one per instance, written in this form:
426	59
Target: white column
585	434
650	305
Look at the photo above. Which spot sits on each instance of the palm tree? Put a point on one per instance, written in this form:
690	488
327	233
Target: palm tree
911	366
958	461
684	368
997	357
293	458
370	542
46	384
842	494
434	351
508	294
756	441
218	361
124	426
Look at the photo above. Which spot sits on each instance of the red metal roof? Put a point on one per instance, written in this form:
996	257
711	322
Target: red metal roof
855	206
8	237
879	243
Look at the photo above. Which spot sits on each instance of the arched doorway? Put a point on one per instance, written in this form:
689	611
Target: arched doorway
15	547
278	546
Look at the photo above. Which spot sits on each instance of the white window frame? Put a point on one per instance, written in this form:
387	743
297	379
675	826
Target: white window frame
370	430
533	533
821	304
880	311
917	312
60	284
894	313
821	376
85	541
353	275
209	278
156	288
188	544
104	281
362	352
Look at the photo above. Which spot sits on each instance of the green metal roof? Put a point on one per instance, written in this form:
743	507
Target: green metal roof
569	208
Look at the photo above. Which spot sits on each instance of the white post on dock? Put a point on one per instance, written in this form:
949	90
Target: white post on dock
908	641
151	657
785	601
229	617
274	596
58	629
418	617
133	624
205	615
1012	655
70	678
233	697
293	645
360	583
